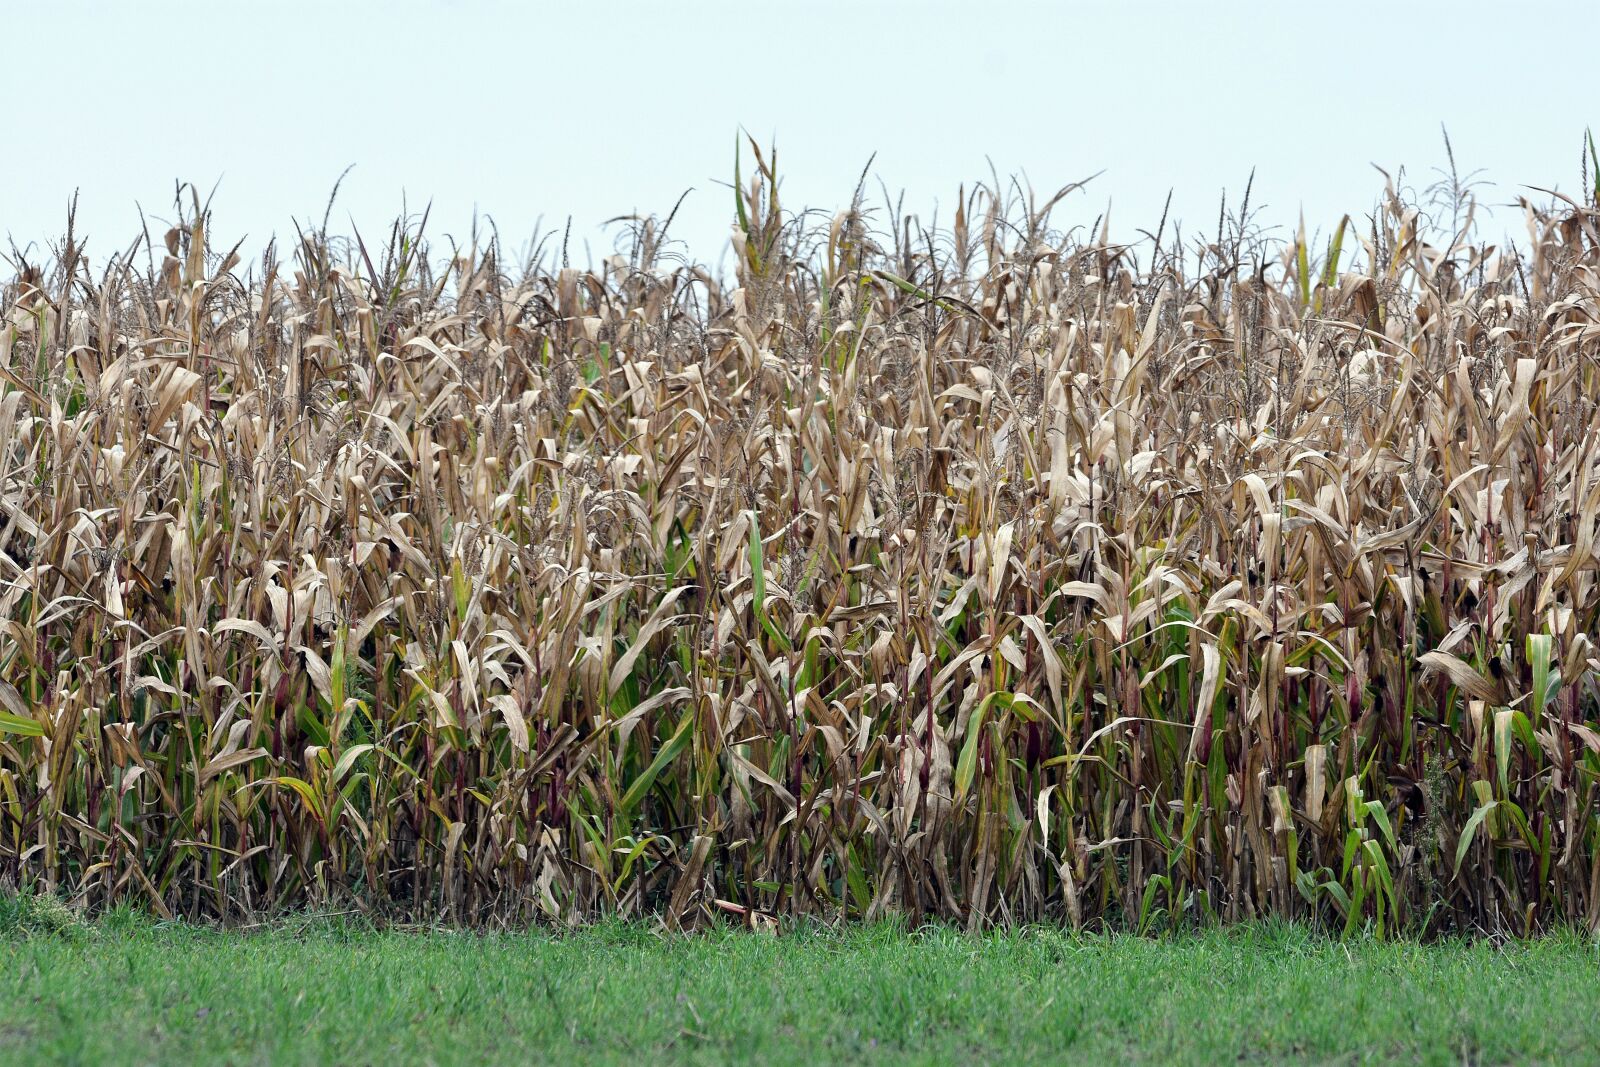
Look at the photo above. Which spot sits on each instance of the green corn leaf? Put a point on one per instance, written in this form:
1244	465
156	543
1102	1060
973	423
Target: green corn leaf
1377	862
1352	842
348	760
738	189
967	764
307	792
1330	269
1540	651
1378	815
1502	745
668	752
1467	832
17	724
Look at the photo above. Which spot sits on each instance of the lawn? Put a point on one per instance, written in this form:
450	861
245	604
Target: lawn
126	990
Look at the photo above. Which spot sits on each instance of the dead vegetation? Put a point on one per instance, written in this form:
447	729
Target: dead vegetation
993	573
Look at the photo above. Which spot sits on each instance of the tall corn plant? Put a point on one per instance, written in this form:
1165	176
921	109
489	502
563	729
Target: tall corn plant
998	574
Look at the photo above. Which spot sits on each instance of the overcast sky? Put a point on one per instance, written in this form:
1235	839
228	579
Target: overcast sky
526	111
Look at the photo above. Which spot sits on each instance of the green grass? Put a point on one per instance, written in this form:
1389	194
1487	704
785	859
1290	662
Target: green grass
127	991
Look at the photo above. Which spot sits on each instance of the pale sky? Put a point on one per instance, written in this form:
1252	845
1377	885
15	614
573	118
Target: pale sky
529	111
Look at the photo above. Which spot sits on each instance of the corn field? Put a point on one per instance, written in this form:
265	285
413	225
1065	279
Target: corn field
989	573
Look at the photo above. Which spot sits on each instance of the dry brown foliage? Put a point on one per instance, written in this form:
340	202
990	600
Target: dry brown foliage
989	574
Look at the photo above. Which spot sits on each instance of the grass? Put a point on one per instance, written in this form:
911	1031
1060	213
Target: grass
127	990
